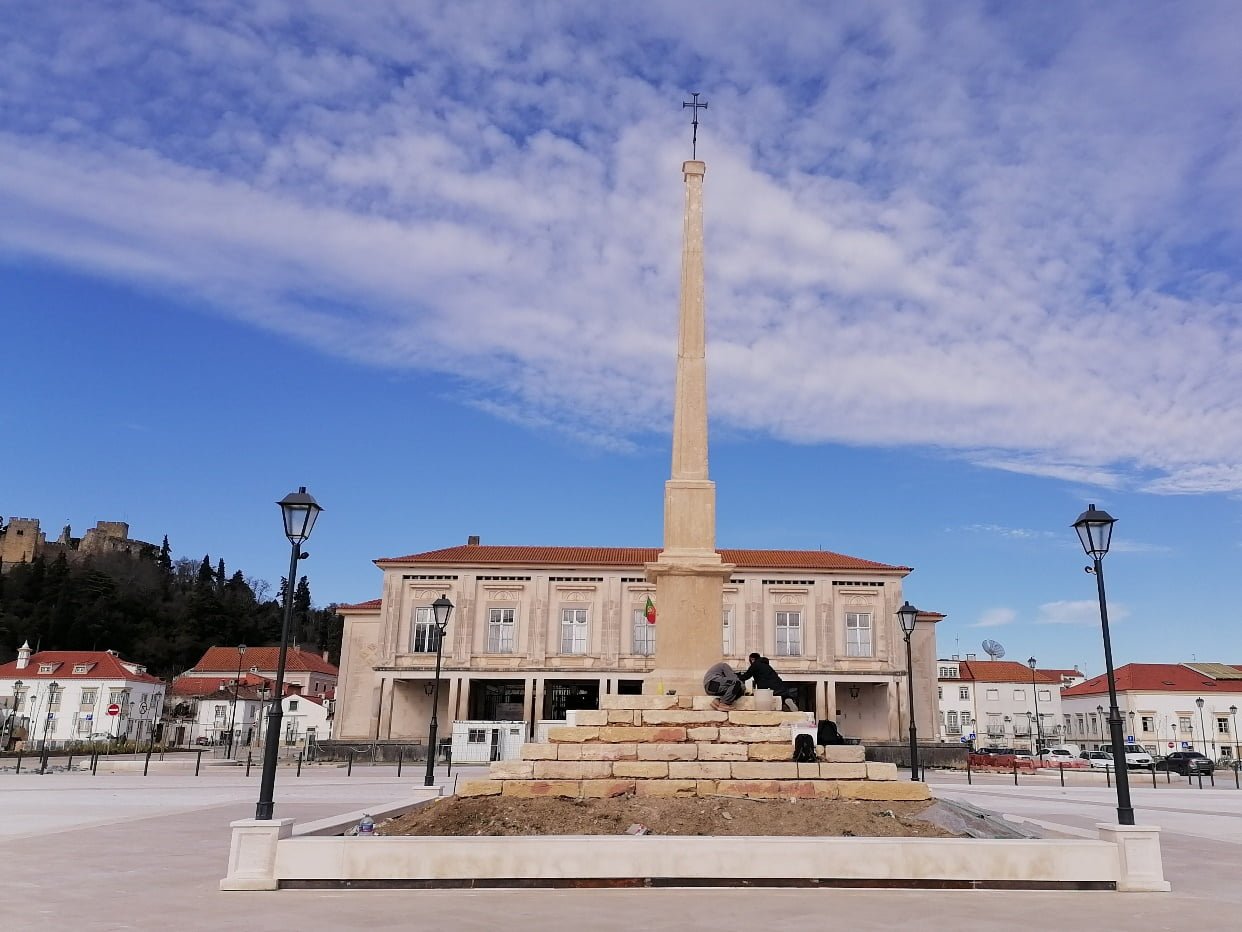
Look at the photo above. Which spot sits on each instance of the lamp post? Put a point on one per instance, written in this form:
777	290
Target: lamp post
1039	734
47	721
441	608
299	511
241	652
1095	532
1202	726
12	722
908	615
1237	751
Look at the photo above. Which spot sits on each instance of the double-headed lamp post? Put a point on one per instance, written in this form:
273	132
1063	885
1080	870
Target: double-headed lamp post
241	652
1095	532
299	510
1039	734
441	608
1202	726
908	615
52	687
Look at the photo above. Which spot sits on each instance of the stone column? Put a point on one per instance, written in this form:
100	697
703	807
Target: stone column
689	575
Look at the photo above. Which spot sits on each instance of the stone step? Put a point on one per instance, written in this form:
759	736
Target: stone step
884	791
711	750
674	764
763	702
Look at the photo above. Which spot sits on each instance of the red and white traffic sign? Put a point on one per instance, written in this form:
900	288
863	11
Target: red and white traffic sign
114	709
1170	744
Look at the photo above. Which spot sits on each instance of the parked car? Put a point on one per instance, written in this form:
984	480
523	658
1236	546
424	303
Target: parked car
1186	763
1139	760
1053	756
1022	755
202	739
1099	760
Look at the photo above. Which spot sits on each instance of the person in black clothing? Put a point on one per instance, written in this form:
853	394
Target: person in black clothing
760	670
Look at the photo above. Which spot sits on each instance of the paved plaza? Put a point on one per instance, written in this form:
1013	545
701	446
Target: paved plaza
120	851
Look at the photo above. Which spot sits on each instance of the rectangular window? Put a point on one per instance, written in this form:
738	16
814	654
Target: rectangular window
727	641
53	698
89	696
573	630
1222	726
939	692
1045	695
858	634
993	695
995	727
789	634
476	736
500	630
1149	724
424	635
644	634
963	692
293	705
952	726
1183	724
116	697
1019	695
948	673
81	668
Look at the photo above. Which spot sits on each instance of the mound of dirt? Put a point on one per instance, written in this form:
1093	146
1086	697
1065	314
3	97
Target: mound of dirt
500	815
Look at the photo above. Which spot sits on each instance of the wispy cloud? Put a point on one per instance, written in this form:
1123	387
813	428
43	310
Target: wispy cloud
1078	612
1010	533
995	618
1003	234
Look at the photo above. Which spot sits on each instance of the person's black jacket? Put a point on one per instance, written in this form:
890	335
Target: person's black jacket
763	674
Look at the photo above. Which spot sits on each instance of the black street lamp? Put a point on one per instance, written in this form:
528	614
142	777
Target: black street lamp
47	721
11	724
441	608
241	652
1039	734
1237	750
908	615
1202	725
299	511
1095	532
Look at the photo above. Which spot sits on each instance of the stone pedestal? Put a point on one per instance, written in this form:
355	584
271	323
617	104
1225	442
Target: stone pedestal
1138	852
252	853
681	746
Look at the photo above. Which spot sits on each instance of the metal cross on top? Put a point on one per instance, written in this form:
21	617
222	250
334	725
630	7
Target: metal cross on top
695	107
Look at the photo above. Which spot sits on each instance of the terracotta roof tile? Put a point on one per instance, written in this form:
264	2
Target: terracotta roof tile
1004	671
1154	678
224	660
104	666
488	555
361	606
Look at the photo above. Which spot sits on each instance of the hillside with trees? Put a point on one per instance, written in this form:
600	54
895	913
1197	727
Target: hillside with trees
152	609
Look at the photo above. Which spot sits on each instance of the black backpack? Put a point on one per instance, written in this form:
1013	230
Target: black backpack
804	749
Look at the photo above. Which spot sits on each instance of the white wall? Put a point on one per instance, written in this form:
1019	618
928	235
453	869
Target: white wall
1168	714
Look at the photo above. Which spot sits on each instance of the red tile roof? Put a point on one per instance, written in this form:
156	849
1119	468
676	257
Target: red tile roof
1155	678
487	555
1003	671
224	660
372	605
199	687
104	666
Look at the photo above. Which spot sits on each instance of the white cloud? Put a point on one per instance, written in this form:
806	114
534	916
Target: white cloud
1009	238
1079	612
995	618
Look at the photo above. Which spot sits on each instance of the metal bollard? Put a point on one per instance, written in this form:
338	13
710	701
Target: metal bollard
448	755
1153	777
1108	774
69	765
1015	773
1200	779
198	762
300	753
1061	767
969	781
1168	775
147	764
19	762
249	761
1212	776
400	755
1236	785
349	767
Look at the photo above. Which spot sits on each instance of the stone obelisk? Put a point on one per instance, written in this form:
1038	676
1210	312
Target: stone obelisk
689	575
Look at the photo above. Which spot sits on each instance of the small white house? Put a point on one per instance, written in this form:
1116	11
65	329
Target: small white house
61	697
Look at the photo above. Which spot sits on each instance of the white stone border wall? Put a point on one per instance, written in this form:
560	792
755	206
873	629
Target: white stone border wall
265	854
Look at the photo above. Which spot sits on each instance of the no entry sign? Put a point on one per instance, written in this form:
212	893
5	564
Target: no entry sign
114	709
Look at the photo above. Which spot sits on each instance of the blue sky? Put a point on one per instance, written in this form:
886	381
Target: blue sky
970	267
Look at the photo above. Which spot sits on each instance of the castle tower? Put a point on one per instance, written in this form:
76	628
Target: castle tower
689	575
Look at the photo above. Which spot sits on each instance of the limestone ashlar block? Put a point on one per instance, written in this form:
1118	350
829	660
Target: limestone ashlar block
481	788
844	754
702	733
538	752
753	734
699	770
782	751
569	751
683	717
511	770
745	704
686	702
885	790
537	789
808	771
877	770
637	703
597	751
705	787
572	769
572	734
586	717
606	789
668	751
665	734
777	789
843	771
666	788
621	716
713	751
764	770
767	718
640	769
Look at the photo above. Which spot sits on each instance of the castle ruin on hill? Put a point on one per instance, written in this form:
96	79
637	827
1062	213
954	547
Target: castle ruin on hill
22	541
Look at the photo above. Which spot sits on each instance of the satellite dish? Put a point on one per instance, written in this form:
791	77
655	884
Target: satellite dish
994	649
